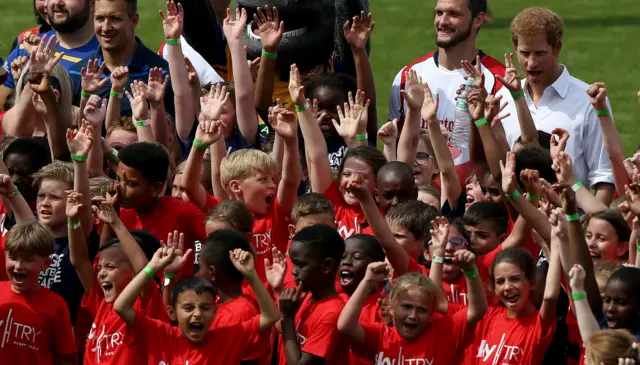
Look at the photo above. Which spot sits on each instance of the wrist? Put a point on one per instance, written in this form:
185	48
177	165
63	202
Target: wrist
79	158
116	91
171	41
153	266
513	195
14	193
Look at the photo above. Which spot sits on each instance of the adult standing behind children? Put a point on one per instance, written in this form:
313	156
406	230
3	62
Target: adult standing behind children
558	100
456	23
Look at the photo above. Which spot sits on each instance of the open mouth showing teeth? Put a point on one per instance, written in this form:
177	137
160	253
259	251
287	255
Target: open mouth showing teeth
106	287
345	277
196	327
513	298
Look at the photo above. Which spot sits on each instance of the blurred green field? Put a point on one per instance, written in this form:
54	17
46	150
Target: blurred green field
599	43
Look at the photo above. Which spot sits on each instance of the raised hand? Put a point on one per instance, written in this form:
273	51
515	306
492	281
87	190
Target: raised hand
290	301
598	95
155	86
559	224
377	272
74	205
115	191
6	185
242	261
296	90
192	74
31	42
270	27
119	78
465	259
414	92
91	77
209	131
508	171
39	83
576	278
511	79
531	180
360	30
44	58
439	232
17	65
81	143
568	198
353	120
492	107
163	257
633	194
105	212
172	23
276	271
429	105
563	168
472	71
558	145
388	133
283	122
211	105
138	100
233	28
175	240
477	98
94	112
357	187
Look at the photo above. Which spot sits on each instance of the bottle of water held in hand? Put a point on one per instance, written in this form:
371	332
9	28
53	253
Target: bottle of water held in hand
462	125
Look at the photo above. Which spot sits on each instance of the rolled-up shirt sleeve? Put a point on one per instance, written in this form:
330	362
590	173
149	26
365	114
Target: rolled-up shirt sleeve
596	157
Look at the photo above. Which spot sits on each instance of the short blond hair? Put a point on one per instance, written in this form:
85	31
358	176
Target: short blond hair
30	238
99	185
534	21
57	170
244	163
606	346
415	281
125	123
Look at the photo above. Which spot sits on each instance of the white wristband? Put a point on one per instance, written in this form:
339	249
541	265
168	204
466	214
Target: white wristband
142	123
438	259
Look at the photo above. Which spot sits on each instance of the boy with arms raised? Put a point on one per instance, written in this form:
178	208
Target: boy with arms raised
193	306
36	323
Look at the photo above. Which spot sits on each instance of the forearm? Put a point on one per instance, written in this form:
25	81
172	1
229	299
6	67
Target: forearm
389	150
435	274
243	83
130	247
408	141
20	121
185	115
552	285
613	146
290	175
476	149
348	322
492	150
124	303
528	129
477	298
316	150
264	84
268	311
277	152
191	177
366	83
56	128
291	346
580	253
633	249
535	218
144	132
451	187
79	257
218	152
113	111
95	162
159	126
587	323
589	202
81	185
519	234
604	193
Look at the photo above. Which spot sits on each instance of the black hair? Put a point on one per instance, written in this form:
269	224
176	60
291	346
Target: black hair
477	7
195	283
459	224
488	211
399	168
544	140
331	80
150	159
369	154
36	149
415	216
535	158
215	251
323	240
519	257
147	242
374	248
630	277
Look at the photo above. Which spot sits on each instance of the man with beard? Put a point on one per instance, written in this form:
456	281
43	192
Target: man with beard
114	25
457	23
72	27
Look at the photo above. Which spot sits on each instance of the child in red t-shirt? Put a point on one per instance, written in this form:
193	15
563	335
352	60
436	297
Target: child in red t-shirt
142	174
35	322
119	260
415	334
309	332
193	307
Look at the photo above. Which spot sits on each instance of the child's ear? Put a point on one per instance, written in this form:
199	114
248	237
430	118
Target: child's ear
157	189
622	249
503	237
329	266
234	188
213	274
426	254
292	230
172	313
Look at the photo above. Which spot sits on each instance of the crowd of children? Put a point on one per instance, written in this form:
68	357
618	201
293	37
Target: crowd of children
192	238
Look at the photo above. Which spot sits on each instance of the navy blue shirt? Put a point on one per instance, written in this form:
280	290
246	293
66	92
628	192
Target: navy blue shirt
141	62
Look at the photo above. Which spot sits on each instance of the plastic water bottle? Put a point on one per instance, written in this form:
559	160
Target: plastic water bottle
462	126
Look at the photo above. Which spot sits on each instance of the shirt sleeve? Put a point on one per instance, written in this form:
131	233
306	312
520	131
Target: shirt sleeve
394	98
324	337
195	220
458	327
148	333
373	333
333	194
91	300
596	156
63	339
210	202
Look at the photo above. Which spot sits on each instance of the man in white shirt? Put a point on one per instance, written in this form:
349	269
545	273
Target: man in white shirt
456	23
558	100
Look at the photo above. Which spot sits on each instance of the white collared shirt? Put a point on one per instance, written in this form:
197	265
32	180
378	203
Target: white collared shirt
565	104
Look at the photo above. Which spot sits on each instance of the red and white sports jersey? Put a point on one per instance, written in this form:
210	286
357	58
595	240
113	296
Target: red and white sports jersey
445	83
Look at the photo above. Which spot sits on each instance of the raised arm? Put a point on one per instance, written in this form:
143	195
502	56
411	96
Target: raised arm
155	95
353	120
92	82
243	82
388	134
286	126
415	95
356	36
564	172
218	152
439	237
95	114
119	81
558	223
78	250
79	146
16	201
477	296
587	323
271	31
140	111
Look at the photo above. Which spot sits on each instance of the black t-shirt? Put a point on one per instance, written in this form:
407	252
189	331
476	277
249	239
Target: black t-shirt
61	276
337	148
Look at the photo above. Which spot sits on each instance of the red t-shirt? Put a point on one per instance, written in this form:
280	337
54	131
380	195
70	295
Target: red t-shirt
371	313
210	202
35	328
268	231
236	311
107	342
510	341
3	241
317	331
441	343
170	215
350	218
165	344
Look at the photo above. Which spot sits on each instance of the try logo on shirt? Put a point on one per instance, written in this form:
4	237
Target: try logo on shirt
105	344
262	242
500	353
17	333
345	232
401	360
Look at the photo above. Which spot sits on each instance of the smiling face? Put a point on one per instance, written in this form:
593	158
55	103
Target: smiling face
24	270
619	307
195	313
51	204
425	165
411	312
353	166
113	26
511	286
538	59
67	16
353	265
257	191
602	240
114	272
453	22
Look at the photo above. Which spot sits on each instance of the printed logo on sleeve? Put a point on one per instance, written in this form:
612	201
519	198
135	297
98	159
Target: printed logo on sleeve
18	334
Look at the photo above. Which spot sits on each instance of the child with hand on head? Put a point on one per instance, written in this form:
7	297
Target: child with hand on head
37	325
193	306
309	333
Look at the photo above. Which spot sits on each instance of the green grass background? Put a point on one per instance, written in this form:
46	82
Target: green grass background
600	43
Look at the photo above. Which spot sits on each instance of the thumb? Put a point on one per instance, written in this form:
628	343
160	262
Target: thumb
335	124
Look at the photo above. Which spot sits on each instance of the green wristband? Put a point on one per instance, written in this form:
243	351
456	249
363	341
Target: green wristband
473	273
113	156
573	217
170	275
638	248
517	94
481	122
14	194
513	196
115	94
79	158
73	225
532	197
142	123
578	296
172	42
602	113
84	94
269	55
149	271
301	108
200	145
362	137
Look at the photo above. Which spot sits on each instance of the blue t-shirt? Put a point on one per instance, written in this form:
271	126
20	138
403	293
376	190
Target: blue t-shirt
70	58
61	277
